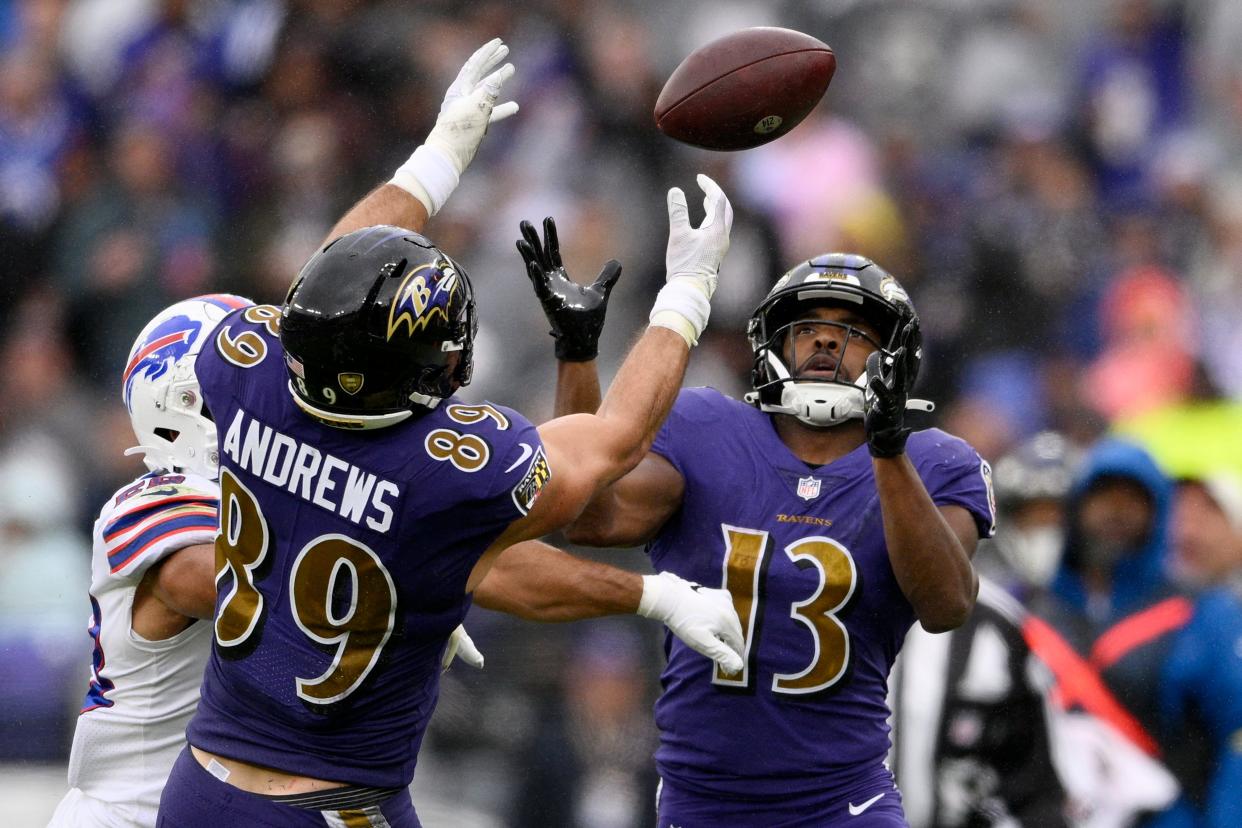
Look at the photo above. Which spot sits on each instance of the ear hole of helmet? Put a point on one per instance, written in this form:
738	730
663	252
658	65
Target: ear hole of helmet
168	434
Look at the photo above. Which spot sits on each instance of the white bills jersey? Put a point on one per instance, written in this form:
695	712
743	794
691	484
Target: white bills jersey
141	693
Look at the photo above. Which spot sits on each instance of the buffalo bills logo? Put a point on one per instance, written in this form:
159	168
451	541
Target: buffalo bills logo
425	293
161	349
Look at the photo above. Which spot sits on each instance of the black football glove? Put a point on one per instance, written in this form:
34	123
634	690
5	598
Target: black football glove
576	312
889	379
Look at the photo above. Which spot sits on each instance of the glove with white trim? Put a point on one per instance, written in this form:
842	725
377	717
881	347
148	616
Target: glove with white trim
704	618
692	261
432	172
461	646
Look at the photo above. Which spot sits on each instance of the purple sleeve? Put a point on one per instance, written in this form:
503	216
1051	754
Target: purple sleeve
955	475
217	377
521	469
671	441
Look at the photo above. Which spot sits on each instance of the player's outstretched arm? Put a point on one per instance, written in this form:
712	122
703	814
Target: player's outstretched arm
179	588
424	182
599	449
929	547
539	582
632	509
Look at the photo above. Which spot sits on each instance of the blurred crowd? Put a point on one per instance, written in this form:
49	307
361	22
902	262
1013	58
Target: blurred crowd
1056	183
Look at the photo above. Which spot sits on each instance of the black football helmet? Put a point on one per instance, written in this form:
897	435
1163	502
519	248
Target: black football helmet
842	279
378	326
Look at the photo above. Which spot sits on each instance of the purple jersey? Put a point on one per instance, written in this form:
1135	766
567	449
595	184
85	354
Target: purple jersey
342	563
802	551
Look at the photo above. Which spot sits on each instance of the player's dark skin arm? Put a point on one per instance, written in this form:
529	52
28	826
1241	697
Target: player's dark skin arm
539	582
174	592
577	388
929	547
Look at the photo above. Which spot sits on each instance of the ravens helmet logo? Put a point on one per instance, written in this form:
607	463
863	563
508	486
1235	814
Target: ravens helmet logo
425	292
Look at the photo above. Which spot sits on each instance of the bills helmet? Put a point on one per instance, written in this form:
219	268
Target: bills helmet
379	326
841	279
175	430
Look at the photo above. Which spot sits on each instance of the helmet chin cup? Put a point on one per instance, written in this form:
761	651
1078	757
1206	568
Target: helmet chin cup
819	404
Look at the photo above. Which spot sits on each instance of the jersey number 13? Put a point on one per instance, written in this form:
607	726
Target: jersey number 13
745	564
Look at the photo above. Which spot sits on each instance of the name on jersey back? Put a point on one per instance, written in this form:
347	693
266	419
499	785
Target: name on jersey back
304	471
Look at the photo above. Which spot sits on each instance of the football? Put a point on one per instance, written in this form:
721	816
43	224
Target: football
745	89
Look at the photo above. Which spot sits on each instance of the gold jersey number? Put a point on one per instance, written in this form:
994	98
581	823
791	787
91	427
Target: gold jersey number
745	557
330	565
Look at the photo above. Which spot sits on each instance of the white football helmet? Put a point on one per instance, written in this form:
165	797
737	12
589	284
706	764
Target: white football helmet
175	432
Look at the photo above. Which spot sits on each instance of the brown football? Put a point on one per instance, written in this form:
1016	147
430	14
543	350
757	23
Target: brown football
745	89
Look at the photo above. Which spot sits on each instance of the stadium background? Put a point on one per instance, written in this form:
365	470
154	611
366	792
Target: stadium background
1056	183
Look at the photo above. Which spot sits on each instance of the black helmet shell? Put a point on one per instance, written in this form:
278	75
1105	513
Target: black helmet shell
379	324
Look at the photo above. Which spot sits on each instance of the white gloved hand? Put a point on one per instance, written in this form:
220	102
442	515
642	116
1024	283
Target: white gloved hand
692	261
461	645
432	172
703	618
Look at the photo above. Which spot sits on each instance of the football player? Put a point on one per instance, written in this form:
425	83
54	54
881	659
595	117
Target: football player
153	575
155	568
361	503
832	525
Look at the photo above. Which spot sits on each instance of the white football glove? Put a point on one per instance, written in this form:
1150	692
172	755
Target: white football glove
703	618
432	172
460	645
692	261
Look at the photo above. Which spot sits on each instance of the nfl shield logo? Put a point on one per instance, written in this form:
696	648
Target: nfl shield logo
808	488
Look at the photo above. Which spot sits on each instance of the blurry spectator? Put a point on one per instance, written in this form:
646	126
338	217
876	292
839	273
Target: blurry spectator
37	126
1149	345
1133	92
1124	622
590	764
842	206
1031	483
1201	687
43	609
137	243
1207	530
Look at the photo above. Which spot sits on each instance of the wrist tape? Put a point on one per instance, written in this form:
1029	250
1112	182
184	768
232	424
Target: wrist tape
682	306
429	175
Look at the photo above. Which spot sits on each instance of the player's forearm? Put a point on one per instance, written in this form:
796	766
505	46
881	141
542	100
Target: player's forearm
640	398
931	567
386	204
541	583
577	388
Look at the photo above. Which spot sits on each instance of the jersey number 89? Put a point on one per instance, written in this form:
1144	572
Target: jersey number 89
358	630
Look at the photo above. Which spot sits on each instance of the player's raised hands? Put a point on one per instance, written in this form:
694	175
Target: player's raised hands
575	312
889	378
432	172
704	618
693	260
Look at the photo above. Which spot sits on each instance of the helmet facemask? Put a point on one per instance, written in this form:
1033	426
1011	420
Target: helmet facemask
821	400
840	280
